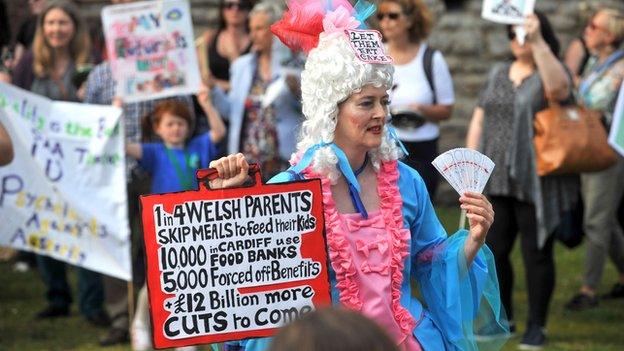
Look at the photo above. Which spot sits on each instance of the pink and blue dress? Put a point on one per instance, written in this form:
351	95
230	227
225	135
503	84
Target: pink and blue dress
374	260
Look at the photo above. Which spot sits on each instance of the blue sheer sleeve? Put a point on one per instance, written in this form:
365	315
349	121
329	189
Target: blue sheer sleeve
462	300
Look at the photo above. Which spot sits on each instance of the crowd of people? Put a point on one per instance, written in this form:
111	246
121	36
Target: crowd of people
258	94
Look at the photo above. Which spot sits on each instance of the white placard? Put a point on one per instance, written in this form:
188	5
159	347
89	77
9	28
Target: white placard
64	193
616	135
368	46
150	46
507	11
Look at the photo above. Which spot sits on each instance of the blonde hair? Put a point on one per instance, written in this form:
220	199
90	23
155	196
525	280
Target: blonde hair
615	24
332	73
79	46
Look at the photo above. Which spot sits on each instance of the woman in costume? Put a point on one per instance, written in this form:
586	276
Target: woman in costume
381	229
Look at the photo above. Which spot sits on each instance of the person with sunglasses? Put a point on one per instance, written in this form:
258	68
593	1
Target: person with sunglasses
217	49
502	128
602	191
422	95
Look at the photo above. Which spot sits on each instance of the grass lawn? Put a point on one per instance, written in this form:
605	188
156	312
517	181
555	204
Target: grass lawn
601	329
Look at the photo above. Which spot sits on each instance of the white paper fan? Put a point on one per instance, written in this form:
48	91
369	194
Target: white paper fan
465	169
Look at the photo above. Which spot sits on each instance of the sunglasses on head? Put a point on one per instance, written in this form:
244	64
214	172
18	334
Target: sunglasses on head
391	15
235	5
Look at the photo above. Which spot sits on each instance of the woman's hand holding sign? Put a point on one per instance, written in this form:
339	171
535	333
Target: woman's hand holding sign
233	171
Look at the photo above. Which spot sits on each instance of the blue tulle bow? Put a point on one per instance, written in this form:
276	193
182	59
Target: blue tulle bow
393	135
363	10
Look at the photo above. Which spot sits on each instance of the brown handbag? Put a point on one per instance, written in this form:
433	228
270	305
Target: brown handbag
570	139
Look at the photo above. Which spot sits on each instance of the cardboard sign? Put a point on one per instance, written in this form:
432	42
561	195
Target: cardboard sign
150	45
368	46
64	193
507	11
616	134
233	263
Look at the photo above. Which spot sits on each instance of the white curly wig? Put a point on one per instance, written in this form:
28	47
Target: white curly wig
332	74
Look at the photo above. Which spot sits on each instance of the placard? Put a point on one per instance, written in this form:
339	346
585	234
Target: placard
233	263
368	46
507	11
64	193
616	134
150	46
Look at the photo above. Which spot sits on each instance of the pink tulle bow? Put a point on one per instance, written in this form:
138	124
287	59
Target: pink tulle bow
339	20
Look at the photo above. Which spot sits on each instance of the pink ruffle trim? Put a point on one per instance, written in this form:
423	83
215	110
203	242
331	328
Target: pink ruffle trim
392	210
340	255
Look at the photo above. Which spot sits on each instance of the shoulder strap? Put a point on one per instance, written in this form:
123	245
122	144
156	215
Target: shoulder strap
428	66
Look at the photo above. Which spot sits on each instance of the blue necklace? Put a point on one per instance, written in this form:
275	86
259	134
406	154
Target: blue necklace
354	194
358	171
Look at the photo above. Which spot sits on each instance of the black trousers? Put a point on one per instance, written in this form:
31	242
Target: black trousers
421	153
513	216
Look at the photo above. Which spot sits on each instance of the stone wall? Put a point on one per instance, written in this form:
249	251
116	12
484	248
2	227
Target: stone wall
470	45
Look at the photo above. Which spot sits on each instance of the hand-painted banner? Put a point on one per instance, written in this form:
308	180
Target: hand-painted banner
150	45
233	263
507	11
616	135
64	194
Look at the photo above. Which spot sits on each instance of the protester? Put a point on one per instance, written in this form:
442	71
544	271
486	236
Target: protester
387	211
332	329
502	128
61	44
405	25
100	89
217	49
602	191
172	164
6	147
262	106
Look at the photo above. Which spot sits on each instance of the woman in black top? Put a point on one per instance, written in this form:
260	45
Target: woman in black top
216	49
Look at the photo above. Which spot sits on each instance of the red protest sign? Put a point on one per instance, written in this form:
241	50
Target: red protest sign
233	263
